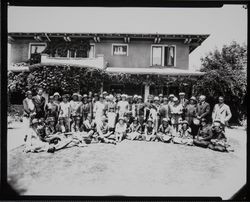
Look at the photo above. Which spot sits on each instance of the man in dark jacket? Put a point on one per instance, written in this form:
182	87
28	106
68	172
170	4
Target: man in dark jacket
203	108
39	102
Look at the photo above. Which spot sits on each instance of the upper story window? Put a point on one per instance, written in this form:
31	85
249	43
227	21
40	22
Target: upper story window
90	53
163	55
120	49
36	48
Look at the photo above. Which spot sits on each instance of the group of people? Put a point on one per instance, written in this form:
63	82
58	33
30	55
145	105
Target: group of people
79	120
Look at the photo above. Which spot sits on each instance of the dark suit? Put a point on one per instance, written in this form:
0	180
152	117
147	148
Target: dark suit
39	104
203	110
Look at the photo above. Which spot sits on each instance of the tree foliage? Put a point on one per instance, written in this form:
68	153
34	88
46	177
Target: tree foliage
226	76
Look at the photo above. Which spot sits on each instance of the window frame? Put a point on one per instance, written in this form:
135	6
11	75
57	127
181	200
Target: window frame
162	54
118	44
34	43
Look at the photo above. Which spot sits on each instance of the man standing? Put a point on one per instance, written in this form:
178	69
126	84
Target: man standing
183	100
221	112
203	108
39	102
29	107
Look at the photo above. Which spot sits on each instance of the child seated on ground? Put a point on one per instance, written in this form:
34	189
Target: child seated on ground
165	131
88	130
184	135
134	130
104	135
149	131
120	130
204	135
35	144
218	141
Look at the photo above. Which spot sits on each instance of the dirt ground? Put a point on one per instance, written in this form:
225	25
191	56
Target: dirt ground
131	168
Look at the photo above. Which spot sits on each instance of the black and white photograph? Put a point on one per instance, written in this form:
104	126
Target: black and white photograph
127	101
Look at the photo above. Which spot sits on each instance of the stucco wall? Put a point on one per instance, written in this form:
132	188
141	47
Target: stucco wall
139	52
20	50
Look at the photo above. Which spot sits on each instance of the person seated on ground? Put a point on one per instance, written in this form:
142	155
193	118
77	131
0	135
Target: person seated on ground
41	129
120	130
134	130
218	141
35	144
112	118
51	135
184	135
88	129
103	133
149	131
165	131
204	134
128	118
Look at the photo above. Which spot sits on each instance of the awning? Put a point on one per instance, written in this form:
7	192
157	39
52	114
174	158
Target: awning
155	71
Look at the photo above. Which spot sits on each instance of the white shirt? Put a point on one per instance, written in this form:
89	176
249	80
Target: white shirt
111	119
120	128
122	106
31	105
65	109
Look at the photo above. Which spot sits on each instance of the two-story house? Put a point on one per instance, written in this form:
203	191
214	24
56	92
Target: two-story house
141	54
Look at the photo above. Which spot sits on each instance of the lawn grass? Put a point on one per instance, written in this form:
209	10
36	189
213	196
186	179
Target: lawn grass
131	168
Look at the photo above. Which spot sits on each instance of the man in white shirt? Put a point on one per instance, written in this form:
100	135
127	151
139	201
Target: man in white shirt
222	112
122	106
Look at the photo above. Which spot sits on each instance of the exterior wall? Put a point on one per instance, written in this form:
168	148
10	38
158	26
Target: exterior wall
139	52
20	50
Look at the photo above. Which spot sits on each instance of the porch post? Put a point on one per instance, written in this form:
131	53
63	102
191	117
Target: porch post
146	92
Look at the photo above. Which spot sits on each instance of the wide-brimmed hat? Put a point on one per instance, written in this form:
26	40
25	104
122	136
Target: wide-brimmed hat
184	122
175	99
156	98
28	92
56	94
171	95
181	93
165	119
193	98
75	94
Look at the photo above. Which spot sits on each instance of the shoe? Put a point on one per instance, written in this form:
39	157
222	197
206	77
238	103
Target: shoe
51	150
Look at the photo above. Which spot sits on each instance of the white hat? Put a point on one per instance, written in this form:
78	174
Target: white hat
156	98
123	95
175	99
171	95
181	93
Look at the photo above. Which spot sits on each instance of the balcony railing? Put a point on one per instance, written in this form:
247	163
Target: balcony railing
96	62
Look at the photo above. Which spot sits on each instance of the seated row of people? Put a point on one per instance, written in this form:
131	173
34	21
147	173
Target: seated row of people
48	135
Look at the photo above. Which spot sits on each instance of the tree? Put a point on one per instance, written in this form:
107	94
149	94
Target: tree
226	76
